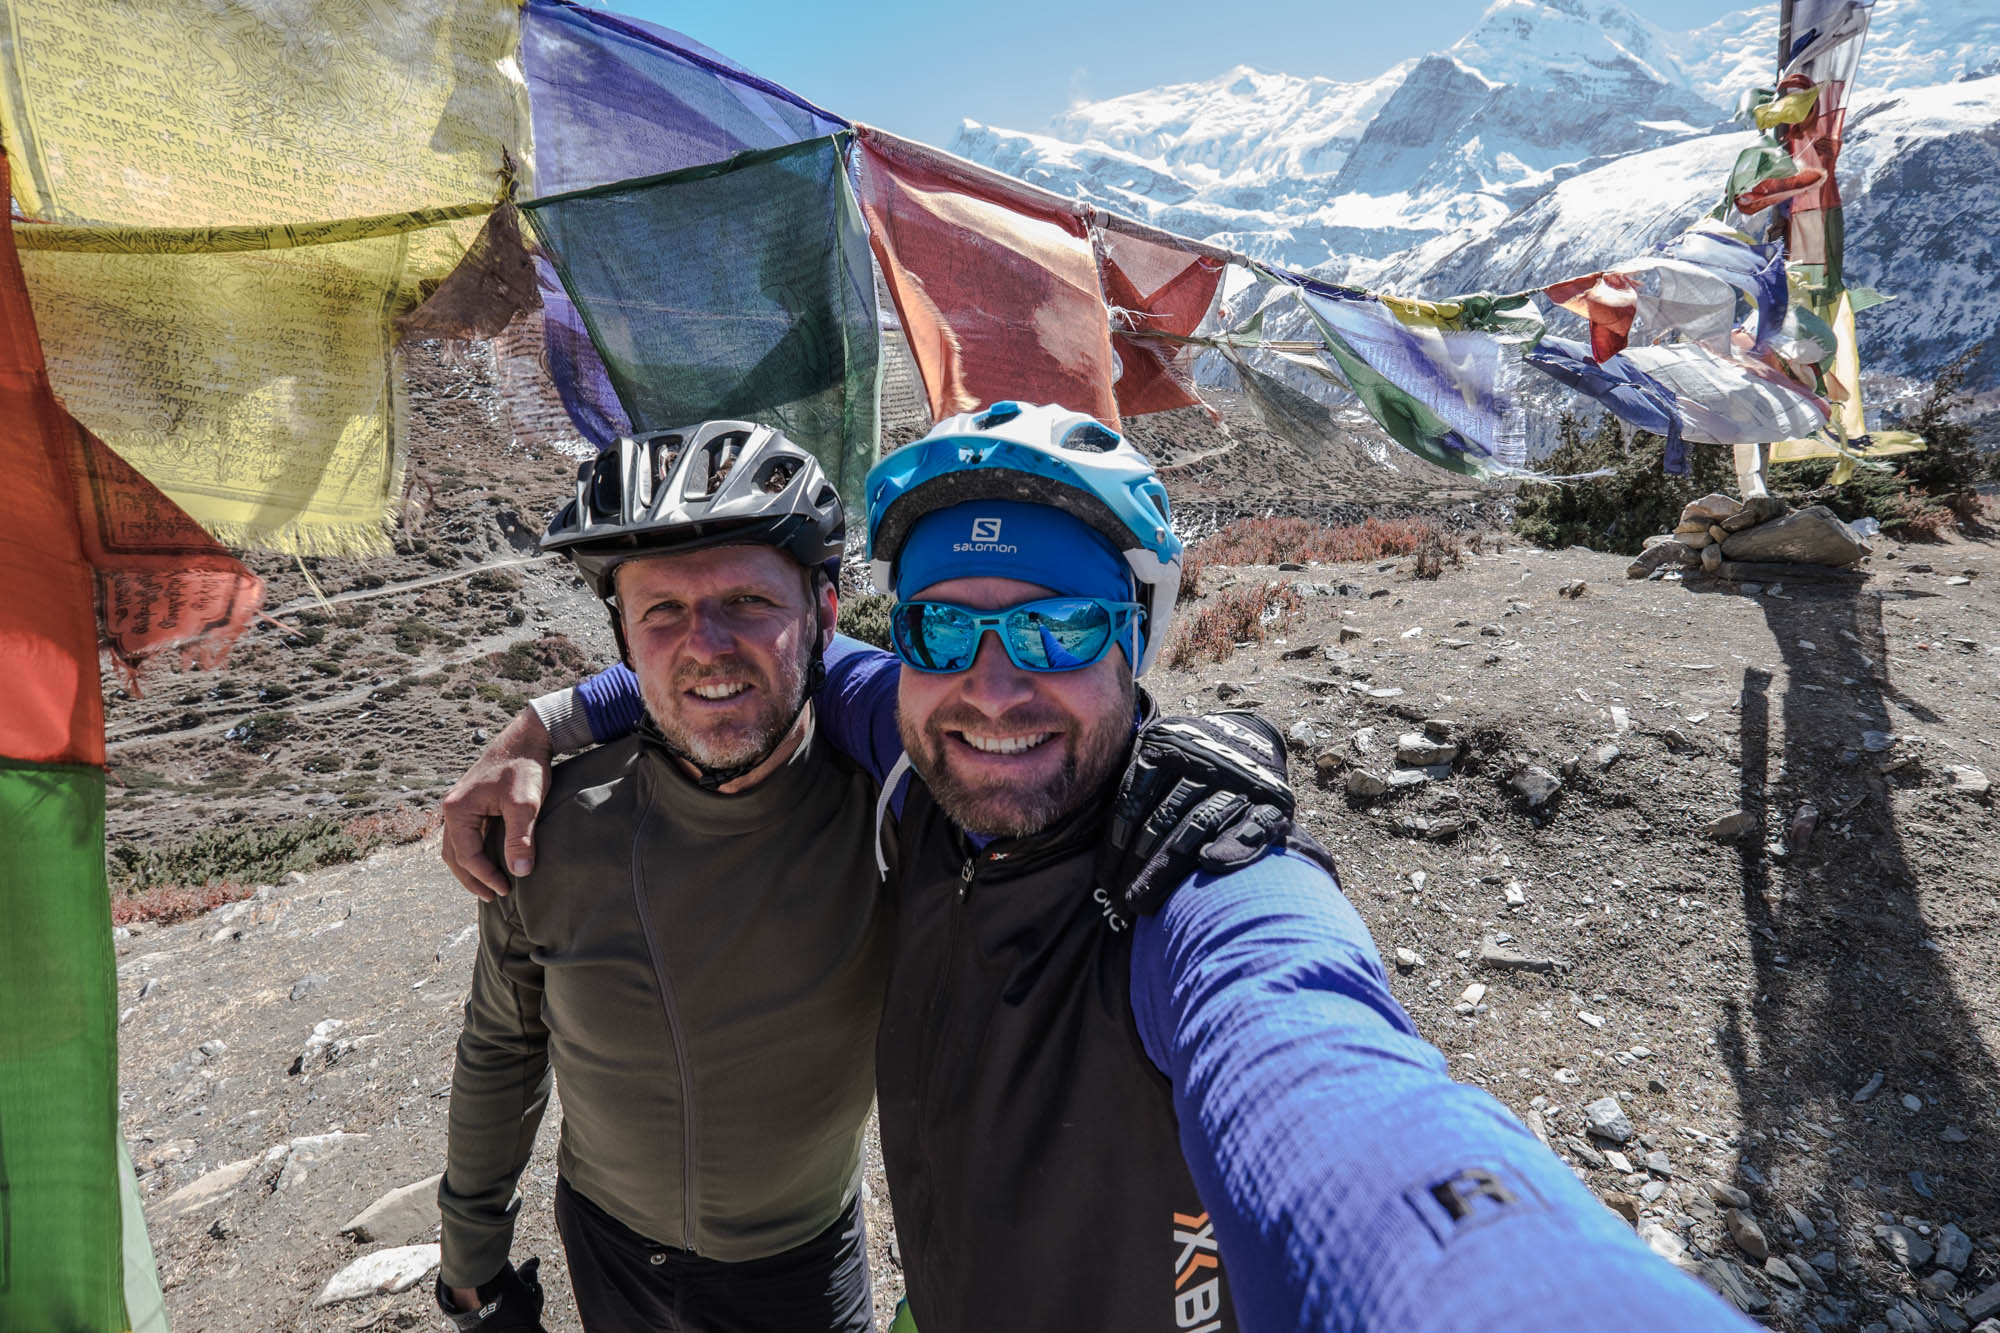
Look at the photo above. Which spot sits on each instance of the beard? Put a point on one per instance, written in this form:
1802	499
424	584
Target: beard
1093	749
738	742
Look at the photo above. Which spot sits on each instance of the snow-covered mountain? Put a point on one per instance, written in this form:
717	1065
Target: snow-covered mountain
1554	137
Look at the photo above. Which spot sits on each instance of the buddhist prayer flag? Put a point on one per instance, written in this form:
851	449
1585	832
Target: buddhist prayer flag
736	290
995	283
200	313
1154	286
1729	399
616	99
1688	285
1630	394
79	521
1819	49
1607	301
1443	392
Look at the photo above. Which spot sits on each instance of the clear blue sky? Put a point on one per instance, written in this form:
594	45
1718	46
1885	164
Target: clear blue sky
918	67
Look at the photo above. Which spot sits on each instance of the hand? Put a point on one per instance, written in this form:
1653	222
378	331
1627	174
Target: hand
1201	793
506	782
510	1303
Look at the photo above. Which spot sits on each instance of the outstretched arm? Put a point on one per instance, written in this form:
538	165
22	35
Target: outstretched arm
1352	1184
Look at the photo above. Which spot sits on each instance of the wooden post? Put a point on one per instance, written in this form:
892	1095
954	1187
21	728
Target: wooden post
1750	482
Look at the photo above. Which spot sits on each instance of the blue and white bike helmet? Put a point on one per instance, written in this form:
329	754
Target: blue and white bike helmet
1037	455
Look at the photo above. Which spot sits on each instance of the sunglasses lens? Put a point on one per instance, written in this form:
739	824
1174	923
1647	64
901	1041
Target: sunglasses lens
1058	635
934	637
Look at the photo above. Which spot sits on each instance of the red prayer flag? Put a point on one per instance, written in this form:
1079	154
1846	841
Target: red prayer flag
84	525
1154	286
996	284
1608	301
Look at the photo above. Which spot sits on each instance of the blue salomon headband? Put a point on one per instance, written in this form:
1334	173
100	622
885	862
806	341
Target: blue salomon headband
1011	539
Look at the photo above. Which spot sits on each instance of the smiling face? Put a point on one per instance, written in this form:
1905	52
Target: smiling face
721	641
1006	751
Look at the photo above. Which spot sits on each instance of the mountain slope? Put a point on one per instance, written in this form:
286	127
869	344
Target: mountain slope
1554	137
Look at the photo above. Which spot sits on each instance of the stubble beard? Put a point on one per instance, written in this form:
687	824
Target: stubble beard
999	809
739	743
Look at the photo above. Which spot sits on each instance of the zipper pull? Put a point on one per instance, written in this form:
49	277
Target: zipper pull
965	879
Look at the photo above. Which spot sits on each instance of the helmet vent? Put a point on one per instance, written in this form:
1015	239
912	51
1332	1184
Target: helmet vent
777	474
607	491
719	457
1091	438
666	452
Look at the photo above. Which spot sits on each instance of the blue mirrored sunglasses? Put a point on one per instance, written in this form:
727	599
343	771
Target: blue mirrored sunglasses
1054	634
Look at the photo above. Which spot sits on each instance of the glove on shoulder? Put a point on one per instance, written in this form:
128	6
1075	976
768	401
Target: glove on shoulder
1200	793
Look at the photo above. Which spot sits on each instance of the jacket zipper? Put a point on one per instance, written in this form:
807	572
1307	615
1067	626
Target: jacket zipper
674	1034
934	1029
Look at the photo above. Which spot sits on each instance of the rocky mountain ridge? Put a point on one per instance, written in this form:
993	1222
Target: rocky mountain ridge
1554	137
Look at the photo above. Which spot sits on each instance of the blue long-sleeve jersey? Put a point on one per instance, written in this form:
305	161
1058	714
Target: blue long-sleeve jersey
1352	1183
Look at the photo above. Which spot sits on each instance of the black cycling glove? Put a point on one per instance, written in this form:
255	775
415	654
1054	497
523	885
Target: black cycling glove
1201	793
510	1303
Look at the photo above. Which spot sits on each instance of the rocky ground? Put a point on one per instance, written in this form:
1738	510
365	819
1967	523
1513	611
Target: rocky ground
1698	882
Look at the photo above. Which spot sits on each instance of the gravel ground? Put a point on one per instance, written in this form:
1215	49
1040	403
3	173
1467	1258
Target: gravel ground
1798	1019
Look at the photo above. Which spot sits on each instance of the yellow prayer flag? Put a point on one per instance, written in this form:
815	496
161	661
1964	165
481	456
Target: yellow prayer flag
256	389
1790	109
256	111
200	314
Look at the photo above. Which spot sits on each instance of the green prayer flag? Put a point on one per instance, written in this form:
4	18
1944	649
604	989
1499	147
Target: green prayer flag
1761	161
740	289
60	1217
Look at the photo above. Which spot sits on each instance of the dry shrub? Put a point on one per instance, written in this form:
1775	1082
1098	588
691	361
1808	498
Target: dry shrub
1270	541
1241	615
1192	565
172	884
167	903
1438	550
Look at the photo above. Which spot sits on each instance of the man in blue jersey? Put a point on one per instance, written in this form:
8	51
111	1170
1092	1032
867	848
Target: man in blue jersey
1211	1117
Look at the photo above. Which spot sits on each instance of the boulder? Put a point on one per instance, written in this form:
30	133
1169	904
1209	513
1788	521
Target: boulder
1414	747
207	1189
1760	510
1711	508
1537	785
1668	554
1753	572
381	1273
1606	1119
1711	558
1810	536
1903	1245
1362	783
400	1215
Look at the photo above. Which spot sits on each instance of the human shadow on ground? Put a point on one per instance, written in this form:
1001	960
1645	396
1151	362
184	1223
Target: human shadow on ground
1848	979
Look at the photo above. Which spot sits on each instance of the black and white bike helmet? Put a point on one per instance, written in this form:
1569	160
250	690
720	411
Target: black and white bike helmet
719	483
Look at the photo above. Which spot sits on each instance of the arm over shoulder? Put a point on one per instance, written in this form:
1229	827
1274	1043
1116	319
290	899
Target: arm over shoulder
856	704
1354	1185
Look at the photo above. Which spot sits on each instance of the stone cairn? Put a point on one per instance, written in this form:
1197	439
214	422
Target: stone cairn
1761	540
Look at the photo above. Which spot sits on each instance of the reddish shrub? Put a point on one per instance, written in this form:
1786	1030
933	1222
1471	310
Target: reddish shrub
1270	541
1241	615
